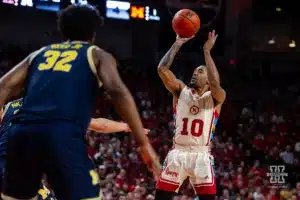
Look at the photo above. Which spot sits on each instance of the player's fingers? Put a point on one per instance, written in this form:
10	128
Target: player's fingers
191	37
146	131
216	37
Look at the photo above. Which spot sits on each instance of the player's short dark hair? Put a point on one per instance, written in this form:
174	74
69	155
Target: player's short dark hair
78	22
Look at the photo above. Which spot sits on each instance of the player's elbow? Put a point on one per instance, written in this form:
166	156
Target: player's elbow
117	90
161	69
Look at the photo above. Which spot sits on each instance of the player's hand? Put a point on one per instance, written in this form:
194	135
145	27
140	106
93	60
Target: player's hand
209	44
151	159
181	40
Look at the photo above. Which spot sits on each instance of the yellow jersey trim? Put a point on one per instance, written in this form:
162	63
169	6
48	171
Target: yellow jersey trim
34	54
92	64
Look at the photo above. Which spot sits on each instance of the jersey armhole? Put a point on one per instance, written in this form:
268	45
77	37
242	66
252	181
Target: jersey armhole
183	90
178	98
5	110
92	64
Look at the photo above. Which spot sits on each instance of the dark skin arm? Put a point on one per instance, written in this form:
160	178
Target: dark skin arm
169	79
217	91
12	82
123	101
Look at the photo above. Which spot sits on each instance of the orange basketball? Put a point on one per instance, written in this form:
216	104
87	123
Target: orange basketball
186	23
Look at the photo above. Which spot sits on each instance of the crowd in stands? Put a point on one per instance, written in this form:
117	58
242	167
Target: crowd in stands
258	127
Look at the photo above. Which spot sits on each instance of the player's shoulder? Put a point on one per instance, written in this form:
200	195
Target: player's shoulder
35	53
98	54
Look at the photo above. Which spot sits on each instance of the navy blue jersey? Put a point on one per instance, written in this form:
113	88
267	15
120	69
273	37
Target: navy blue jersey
10	110
62	83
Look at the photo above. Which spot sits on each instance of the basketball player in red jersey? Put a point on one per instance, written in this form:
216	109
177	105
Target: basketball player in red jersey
197	108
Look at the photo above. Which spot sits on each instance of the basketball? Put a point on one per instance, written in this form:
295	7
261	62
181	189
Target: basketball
186	23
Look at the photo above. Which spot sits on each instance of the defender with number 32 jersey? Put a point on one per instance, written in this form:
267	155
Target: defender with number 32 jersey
55	72
60	93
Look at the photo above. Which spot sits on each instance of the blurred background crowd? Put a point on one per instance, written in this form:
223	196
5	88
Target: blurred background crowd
257	56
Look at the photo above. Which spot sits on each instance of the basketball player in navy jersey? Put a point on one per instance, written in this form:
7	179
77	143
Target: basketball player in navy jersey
61	82
101	125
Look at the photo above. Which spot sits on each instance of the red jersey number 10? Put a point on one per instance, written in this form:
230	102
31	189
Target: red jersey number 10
196	127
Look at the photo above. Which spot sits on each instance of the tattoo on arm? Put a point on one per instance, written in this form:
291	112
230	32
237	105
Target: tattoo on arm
167	60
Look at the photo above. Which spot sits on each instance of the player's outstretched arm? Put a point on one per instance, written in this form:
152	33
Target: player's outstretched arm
12	82
109	126
217	91
170	81
124	103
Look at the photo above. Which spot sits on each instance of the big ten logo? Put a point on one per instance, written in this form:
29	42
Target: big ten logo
277	174
137	12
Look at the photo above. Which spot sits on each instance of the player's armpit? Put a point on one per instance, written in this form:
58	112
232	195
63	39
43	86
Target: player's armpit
218	93
12	82
170	81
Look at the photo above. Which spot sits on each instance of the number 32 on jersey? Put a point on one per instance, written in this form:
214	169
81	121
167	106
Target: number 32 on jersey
58	60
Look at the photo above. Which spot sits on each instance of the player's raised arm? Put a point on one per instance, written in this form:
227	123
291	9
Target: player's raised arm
124	103
109	126
170	81
217	91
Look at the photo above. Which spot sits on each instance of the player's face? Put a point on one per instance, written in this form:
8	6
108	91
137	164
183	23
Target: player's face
199	78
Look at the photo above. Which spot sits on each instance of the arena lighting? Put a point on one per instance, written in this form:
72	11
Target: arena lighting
272	41
278	9
292	44
12	2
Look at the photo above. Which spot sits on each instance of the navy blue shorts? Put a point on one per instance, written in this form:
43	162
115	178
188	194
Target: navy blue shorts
57	149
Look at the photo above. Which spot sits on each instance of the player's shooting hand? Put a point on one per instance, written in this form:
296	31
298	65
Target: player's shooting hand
181	40
209	44
151	159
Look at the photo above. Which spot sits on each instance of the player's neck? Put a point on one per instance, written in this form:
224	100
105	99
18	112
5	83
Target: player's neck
200	91
78	41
